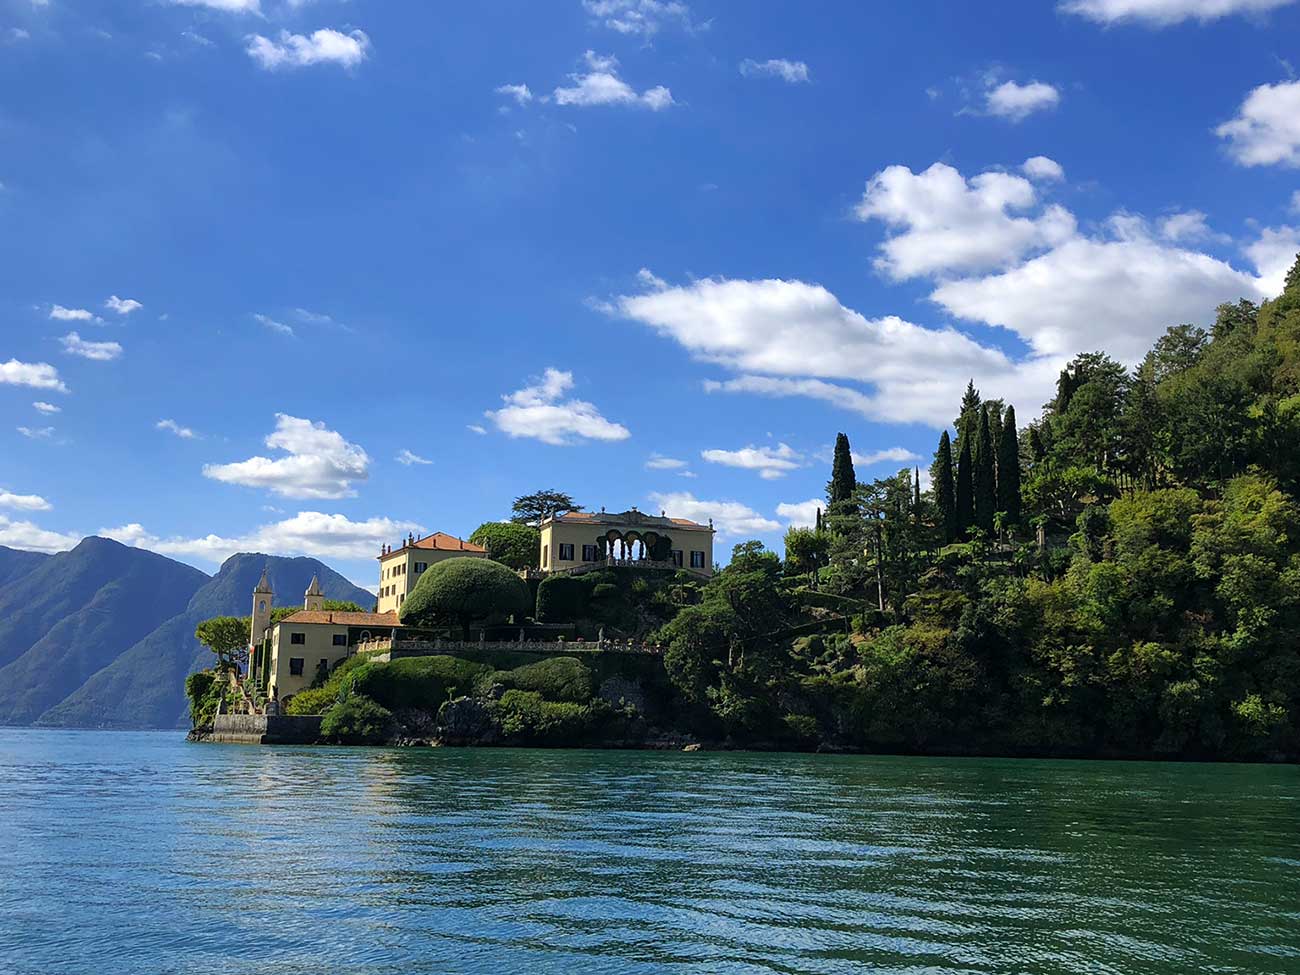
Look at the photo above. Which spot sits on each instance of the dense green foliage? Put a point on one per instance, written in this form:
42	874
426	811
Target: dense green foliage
416	682
356	720
317	700
510	543
554	678
462	591
843	479
527	718
226	637
203	691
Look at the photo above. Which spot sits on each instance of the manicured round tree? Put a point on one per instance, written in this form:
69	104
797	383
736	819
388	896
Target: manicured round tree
464	590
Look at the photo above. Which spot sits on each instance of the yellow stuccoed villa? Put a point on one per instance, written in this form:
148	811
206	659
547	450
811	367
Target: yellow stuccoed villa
314	638
582	541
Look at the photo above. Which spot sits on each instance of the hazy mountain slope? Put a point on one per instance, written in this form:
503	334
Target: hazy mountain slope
65	584
146	590
15	563
144	687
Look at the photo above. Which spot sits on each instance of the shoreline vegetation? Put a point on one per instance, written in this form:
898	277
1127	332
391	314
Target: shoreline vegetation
1120	578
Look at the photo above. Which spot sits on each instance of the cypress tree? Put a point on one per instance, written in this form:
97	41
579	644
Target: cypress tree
967	422
1009	468
985	480
916	493
965	500
843	480
941	475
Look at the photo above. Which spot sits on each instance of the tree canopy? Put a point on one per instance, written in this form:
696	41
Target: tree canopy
533	509
511	543
461	591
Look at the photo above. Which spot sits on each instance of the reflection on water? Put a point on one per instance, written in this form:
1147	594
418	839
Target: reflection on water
126	853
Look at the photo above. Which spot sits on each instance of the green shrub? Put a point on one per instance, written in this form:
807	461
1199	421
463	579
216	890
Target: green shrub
604	590
204	693
356	720
416	682
555	679
317	700
526	718
562	599
510	543
465	590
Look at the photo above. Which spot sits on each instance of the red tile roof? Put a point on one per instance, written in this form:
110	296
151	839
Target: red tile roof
342	619
441	542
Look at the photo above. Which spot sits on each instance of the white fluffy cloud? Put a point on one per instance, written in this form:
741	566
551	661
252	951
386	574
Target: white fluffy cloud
770	462
1162	13
320	463
539	411
24	502
47	408
230	6
1043	169
185	433
601	85
123	306
899	455
640	17
732	519
1016	102
1273	253
1266	130
37	375
657	462
27	536
36	433
791	72
1117	294
520	93
61	314
1188	226
406	458
944	222
311	533
324	46
273	325
74	344
800	514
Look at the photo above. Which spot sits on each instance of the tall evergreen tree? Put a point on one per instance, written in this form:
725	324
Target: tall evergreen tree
965	499
916	494
967	422
941	475
985	479
843	480
1009	468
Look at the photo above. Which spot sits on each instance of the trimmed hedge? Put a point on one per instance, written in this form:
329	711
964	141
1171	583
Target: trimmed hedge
356	720
555	679
563	599
829	600
462	590
417	682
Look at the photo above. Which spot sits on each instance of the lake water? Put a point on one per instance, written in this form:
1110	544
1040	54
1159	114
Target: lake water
139	853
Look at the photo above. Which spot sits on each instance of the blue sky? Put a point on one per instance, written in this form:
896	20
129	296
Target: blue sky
259	254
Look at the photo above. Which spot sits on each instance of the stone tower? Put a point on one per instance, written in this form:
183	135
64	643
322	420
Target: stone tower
262	597
314	598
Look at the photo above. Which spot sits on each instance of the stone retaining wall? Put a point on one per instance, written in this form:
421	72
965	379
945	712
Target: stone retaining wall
265	729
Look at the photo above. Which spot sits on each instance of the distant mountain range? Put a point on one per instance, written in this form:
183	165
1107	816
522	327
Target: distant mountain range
102	636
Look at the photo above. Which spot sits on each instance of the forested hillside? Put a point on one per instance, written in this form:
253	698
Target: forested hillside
144	685
1120	577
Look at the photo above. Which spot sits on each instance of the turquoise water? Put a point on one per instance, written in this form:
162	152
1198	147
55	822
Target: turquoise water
140	853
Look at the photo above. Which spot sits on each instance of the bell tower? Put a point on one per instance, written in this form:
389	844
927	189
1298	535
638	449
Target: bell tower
314	598
262	597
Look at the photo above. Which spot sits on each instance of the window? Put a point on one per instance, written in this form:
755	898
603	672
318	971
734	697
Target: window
340	639
566	551
261	606
697	560
420	567
678	555
401	599
297	639
545	552
589	553
295	665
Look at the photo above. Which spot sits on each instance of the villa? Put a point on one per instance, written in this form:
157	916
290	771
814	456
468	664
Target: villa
582	541
286	655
